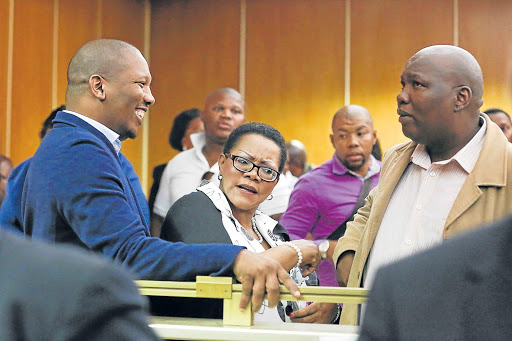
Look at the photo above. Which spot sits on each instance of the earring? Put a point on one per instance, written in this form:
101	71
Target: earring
219	177
270	197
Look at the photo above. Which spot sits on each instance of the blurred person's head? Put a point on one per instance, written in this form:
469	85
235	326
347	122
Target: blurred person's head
5	170
502	119
297	157
185	124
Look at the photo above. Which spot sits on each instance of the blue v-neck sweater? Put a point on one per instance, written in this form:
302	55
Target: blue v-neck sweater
76	192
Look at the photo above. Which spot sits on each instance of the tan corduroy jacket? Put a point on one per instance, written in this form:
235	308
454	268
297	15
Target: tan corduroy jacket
486	195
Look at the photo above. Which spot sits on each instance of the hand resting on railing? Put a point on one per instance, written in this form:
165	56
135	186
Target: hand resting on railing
260	274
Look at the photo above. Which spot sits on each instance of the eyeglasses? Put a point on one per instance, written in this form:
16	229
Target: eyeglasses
245	166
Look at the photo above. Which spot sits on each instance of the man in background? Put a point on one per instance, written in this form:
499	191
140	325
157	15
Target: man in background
224	110
328	196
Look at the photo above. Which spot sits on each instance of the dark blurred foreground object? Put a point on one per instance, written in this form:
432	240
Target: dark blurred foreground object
59	293
461	290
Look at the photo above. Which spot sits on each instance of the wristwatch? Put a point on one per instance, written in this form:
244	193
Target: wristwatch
323	247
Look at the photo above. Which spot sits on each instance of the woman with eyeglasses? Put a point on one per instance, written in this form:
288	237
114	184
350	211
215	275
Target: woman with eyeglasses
250	166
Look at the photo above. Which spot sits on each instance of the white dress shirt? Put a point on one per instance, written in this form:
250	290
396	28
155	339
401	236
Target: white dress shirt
111	135
183	174
420	204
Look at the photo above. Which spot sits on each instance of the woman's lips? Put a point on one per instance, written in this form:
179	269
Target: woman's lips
248	188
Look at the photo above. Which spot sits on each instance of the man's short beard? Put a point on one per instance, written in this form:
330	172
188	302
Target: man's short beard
354	168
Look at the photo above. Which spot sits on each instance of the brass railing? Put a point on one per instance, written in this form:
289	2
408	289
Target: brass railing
223	288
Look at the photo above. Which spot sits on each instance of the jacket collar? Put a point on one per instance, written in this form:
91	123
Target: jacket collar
493	153
74	121
490	168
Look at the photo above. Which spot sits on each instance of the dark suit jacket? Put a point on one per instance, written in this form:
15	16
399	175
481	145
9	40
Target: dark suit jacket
461	290
57	294
76	192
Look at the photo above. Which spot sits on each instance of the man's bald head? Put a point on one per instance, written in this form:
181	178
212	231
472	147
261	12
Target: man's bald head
351	112
226	91
297	155
458	66
439	103
224	110
102	57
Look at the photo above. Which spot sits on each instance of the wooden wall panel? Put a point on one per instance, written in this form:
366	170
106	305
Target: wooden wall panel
294	63
485	30
4	43
194	50
295	68
124	20
32	75
385	34
74	31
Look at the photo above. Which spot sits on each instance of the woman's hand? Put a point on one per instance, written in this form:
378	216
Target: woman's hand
288	257
310	256
315	313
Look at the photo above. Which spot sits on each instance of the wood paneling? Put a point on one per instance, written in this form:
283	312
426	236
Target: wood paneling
74	31
385	34
485	30
294	64
194	50
4	43
32	75
124	20
295	68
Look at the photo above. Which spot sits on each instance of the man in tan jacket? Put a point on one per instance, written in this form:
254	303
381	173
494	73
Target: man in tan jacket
454	175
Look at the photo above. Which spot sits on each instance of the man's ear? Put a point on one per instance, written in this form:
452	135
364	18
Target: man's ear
464	96
96	85
331	136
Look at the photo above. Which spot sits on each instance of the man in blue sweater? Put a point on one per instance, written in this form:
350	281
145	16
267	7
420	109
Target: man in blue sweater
75	191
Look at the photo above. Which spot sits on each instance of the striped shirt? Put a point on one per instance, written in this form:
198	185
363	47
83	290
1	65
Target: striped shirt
420	204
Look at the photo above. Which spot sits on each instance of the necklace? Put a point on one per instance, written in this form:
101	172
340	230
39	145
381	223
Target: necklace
255	229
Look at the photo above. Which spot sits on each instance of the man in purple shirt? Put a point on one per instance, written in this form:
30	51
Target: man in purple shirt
326	196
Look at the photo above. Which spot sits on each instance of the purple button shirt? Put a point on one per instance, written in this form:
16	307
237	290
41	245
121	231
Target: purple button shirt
321	200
